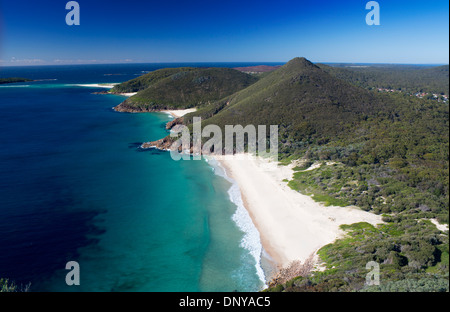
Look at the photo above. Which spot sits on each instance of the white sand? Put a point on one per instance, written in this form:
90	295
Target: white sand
98	85
179	112
441	227
107	86
292	226
127	94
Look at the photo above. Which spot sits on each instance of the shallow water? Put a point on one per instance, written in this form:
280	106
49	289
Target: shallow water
74	186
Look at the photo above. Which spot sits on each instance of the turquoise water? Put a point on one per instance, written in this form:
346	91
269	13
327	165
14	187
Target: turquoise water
74	186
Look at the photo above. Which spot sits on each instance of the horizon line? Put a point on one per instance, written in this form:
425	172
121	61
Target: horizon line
212	62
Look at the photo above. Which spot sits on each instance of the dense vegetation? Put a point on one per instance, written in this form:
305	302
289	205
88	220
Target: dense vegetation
182	88
13	80
412	254
387	153
396	163
406	78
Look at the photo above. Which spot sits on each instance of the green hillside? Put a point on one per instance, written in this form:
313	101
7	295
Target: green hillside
303	100
183	88
144	81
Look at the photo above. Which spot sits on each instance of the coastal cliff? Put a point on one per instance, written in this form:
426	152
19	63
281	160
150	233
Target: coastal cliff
162	144
127	107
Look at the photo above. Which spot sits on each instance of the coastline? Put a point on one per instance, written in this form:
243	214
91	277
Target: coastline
291	225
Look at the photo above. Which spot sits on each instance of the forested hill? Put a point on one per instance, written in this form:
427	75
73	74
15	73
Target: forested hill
405	78
144	81
306	102
181	88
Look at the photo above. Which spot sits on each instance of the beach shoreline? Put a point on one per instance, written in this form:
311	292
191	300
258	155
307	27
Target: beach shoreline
292	226
97	85
250	241
107	86
177	113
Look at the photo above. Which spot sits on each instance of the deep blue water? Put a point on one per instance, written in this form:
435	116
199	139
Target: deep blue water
75	187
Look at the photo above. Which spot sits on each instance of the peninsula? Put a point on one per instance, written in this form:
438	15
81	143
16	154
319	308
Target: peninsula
14	80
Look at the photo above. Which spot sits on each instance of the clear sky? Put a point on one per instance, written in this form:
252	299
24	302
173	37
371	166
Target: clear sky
34	32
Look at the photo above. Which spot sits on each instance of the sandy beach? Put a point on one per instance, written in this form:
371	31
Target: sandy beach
292	226
107	86
179	112
127	94
98	85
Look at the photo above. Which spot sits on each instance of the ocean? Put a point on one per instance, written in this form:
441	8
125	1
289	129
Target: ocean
75	186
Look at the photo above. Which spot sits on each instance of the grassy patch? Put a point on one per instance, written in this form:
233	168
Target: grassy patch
328	200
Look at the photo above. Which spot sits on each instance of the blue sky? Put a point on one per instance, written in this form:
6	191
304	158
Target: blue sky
34	32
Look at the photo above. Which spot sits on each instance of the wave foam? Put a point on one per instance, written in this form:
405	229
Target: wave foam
251	240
